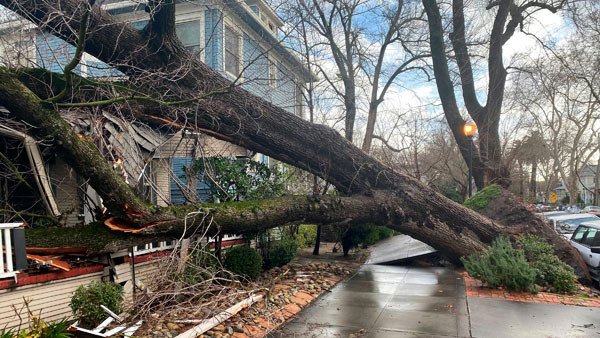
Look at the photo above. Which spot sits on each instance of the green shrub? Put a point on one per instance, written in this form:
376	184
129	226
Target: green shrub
502	264
282	252
86	302
534	246
243	261
372	236
307	235
550	270
385	232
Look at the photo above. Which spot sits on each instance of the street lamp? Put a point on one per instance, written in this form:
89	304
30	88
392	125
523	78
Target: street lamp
469	129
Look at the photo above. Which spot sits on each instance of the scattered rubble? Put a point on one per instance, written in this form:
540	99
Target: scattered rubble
286	290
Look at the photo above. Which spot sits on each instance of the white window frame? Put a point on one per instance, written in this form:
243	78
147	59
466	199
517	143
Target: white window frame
196	16
147	248
228	24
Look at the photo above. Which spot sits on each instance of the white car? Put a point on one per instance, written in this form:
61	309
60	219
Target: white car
590	209
586	239
565	224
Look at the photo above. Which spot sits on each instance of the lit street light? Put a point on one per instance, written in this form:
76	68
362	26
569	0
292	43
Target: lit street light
469	129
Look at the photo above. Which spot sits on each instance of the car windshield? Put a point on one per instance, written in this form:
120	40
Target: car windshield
569	225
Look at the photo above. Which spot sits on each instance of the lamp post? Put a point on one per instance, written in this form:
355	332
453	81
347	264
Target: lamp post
469	129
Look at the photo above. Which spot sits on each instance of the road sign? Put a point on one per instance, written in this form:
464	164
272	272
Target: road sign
553	197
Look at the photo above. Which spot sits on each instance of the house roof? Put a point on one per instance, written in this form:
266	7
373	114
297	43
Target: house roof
588	170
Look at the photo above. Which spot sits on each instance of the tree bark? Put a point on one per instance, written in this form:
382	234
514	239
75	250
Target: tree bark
533	181
378	194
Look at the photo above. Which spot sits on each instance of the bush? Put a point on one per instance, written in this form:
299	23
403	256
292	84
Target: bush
534	246
502	264
307	235
385	232
86	302
282	252
243	261
550	270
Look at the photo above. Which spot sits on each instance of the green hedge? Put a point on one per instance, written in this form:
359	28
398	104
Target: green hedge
532	262
282	252
243	261
501	264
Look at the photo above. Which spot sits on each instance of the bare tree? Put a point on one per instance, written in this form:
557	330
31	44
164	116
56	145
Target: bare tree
362	51
565	114
508	15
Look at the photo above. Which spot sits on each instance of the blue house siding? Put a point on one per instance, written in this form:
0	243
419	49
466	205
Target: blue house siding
213	34
54	54
256	68
285	92
202	188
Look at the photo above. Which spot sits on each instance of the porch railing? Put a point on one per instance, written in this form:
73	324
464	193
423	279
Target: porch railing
12	242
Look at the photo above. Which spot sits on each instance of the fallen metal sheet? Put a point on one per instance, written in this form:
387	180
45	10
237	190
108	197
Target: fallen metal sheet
398	249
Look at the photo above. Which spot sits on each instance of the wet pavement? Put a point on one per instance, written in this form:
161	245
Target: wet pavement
410	301
388	301
502	318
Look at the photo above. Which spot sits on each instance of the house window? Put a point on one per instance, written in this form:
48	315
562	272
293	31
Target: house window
272	73
232	51
189	34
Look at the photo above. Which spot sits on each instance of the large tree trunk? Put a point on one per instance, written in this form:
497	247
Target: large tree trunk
378	194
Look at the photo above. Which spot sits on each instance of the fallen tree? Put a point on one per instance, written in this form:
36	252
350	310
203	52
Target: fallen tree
375	193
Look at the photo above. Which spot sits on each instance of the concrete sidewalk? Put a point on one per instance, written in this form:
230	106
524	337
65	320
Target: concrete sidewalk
388	301
491	317
407	301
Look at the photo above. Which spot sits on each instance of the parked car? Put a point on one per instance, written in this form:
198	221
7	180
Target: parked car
565	224
550	214
573	209
590	209
586	239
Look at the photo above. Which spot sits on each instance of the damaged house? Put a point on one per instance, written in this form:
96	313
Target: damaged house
238	39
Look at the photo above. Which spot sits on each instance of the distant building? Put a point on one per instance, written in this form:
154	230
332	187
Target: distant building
585	185
561	192
587	182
